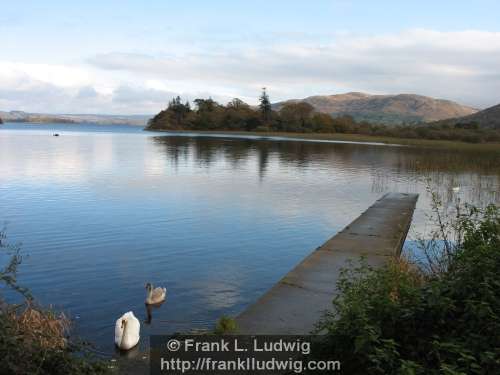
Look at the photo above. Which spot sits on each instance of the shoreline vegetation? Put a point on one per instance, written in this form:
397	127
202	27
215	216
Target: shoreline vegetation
346	137
300	120
434	312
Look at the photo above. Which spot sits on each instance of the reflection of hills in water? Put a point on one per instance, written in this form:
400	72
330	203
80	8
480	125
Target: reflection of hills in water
476	173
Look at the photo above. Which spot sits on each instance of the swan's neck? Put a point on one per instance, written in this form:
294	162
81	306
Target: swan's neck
123	333
150	292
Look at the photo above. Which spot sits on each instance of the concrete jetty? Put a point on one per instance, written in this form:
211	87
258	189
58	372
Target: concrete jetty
296	303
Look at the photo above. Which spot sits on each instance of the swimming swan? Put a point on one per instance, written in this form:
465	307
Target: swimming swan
127	331
155	295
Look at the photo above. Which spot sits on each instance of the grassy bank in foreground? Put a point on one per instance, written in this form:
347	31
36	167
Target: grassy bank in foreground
495	147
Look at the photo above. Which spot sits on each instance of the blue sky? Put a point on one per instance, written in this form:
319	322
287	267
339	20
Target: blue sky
132	56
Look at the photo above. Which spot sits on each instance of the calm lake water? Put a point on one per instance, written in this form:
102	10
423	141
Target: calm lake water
102	210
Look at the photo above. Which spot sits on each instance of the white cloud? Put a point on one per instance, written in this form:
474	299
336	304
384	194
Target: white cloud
460	66
65	89
457	65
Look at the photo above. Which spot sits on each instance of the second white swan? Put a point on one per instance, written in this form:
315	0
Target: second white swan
127	331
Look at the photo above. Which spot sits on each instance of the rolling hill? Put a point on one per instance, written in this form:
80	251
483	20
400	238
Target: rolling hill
20	116
383	109
386	109
487	118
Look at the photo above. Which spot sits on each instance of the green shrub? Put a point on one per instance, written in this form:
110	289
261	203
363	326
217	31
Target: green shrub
402	320
225	325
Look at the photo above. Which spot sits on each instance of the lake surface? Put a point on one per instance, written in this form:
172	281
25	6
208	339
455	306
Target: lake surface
217	220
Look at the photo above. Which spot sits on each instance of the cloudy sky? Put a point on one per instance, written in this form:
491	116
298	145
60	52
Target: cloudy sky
131	57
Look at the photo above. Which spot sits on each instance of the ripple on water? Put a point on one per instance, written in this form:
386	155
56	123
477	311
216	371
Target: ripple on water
217	220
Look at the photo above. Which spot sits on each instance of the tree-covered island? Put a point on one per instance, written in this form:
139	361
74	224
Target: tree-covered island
300	117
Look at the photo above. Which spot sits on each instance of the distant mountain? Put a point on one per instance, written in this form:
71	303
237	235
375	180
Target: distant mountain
386	109
487	118
20	116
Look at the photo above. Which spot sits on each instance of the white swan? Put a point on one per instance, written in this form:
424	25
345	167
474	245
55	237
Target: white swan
455	189
155	295
127	331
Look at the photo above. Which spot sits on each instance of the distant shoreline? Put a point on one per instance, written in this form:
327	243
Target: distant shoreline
345	137
76	123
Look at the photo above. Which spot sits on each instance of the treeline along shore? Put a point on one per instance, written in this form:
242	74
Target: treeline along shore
301	117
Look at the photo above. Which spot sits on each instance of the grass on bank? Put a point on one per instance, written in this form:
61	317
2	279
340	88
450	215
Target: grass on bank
346	137
409	319
34	341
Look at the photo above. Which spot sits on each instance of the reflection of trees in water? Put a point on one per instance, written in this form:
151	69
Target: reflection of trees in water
477	173
175	151
207	150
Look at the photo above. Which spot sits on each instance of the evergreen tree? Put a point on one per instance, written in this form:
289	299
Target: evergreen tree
265	105
179	110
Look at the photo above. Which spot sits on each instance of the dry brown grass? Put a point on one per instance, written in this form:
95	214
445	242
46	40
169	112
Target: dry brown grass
402	267
38	327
